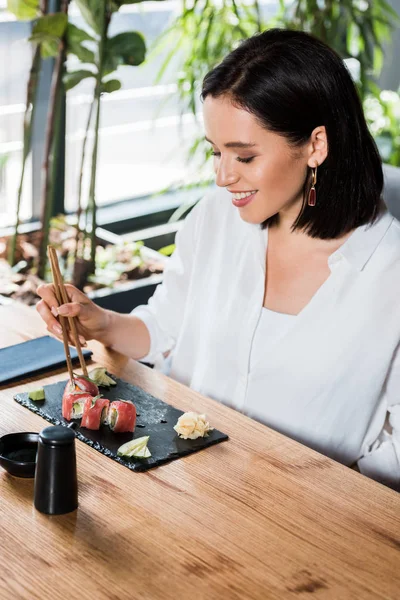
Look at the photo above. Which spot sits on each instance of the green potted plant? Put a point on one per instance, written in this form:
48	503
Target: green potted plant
383	116
99	57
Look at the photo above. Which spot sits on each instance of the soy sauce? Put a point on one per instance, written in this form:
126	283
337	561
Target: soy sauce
24	454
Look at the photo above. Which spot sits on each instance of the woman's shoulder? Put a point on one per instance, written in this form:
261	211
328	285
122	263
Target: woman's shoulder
374	247
391	239
379	250
394	228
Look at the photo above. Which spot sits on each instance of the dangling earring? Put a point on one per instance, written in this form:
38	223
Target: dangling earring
312	196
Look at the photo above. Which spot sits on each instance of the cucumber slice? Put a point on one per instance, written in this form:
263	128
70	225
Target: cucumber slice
94	400
143	453
100	377
36	395
77	410
135	448
104	415
112	416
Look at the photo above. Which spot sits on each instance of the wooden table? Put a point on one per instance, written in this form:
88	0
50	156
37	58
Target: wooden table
257	517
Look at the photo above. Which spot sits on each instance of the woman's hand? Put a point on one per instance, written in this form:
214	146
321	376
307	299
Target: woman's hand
125	333
92	321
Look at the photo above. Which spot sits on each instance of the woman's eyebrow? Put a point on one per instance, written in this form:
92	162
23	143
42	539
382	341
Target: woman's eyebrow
234	144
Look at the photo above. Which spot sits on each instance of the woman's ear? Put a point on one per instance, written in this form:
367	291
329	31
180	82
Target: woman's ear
318	147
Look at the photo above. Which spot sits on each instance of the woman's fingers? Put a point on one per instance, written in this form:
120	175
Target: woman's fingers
72	309
74	294
46	292
79	304
60	338
55	335
52	324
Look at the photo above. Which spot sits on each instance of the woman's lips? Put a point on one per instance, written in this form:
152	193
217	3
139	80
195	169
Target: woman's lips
243	201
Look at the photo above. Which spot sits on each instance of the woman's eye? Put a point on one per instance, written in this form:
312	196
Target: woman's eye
242	160
245	160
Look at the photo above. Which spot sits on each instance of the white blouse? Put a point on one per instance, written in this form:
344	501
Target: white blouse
332	378
270	328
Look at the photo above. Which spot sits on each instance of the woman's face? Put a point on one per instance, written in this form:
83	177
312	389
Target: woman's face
251	161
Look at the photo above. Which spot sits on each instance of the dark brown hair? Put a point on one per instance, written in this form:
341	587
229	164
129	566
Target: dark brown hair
292	83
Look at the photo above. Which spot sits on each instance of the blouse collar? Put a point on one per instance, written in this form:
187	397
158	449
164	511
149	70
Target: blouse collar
357	249
363	242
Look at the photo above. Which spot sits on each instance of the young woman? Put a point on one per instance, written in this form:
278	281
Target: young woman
282	297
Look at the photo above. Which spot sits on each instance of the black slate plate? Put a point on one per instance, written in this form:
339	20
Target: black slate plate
155	418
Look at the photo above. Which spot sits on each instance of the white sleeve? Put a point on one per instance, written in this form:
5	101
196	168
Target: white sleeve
163	314
381	459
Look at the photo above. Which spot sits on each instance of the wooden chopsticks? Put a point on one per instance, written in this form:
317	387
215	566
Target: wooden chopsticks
62	298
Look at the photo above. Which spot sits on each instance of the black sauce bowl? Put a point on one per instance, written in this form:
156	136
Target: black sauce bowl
18	453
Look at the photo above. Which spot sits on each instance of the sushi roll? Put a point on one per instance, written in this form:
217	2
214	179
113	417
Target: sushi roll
72	404
84	384
122	416
95	412
75	394
81	385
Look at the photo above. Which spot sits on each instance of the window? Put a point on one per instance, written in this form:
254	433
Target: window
15	60
144	138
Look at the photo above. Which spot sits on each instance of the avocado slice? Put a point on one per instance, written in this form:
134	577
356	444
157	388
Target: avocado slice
135	448
37	395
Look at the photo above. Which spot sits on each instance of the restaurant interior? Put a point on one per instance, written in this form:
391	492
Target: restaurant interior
131	466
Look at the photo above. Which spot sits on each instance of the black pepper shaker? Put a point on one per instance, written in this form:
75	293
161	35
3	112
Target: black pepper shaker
56	482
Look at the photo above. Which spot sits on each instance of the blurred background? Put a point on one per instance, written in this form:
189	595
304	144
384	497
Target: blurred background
100	118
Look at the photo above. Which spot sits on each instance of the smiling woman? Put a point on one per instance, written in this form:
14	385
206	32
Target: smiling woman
281	299
256	172
293	99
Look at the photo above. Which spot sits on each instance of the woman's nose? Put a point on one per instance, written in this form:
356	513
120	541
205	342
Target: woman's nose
225	173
